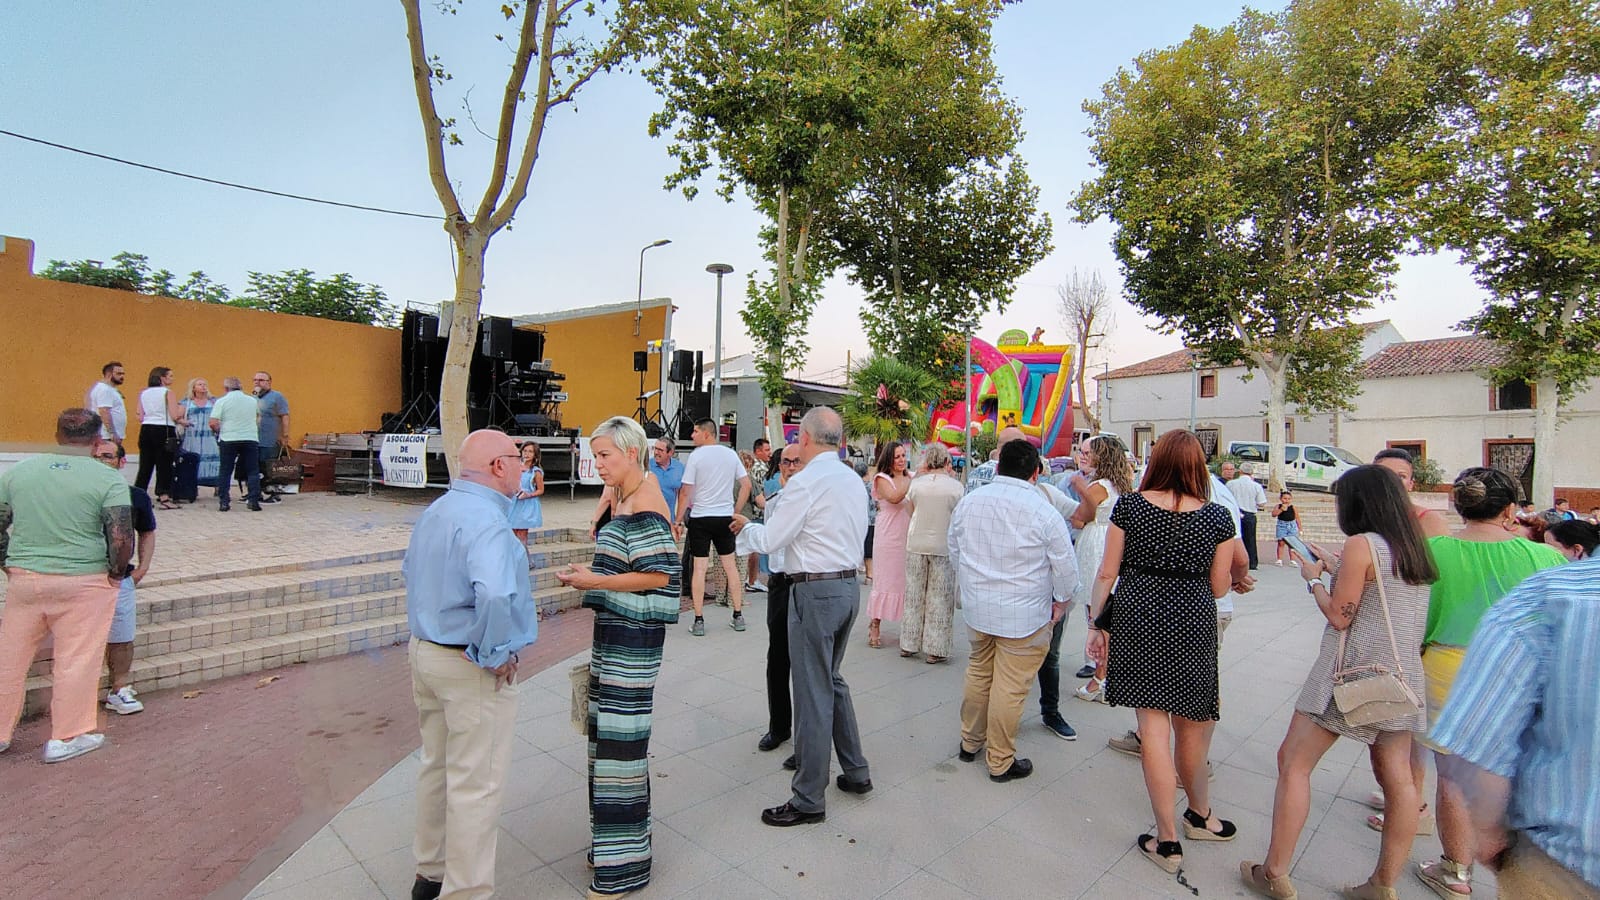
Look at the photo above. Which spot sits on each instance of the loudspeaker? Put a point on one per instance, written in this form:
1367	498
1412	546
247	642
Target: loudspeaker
682	367
700	371
498	338
528	347
641	361
697	404
427	329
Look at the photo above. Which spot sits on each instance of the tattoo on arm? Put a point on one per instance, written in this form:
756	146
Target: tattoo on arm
1348	611
5	532
118	525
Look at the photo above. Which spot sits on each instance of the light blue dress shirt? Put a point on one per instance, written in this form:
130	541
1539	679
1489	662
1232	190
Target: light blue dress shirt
671	481
467	577
1526	706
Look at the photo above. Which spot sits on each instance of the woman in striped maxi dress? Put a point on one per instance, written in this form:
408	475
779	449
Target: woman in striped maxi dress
633	589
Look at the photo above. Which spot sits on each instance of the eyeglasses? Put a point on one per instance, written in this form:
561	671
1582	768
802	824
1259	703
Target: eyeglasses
106	457
788	462
515	456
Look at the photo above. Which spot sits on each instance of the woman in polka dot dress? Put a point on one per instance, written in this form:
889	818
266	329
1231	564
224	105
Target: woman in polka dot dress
1168	553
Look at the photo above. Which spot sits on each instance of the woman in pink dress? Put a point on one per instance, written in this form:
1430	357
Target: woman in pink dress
889	486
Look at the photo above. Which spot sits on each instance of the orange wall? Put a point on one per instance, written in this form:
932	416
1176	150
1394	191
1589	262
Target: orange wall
55	336
596	355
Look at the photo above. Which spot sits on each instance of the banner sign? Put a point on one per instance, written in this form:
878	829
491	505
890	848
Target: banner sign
405	460
587	473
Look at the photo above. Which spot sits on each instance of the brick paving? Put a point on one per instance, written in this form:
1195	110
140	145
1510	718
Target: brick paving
205	796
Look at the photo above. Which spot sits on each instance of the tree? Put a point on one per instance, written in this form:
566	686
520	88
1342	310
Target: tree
782	99
298	292
1257	176
128	272
889	401
562	58
1086	312
1518	197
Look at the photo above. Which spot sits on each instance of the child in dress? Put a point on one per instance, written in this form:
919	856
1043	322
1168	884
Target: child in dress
525	510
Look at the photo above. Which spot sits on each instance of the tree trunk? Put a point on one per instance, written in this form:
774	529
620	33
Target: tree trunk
470	248
1277	374
1545	421
1083	389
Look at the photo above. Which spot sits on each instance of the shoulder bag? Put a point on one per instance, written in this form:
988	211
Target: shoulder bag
174	437
578	675
1372	694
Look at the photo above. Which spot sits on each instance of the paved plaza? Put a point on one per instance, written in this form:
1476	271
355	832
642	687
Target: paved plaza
934	827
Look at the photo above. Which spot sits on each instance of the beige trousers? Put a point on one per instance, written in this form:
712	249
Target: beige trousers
467	728
75	611
999	675
1530	874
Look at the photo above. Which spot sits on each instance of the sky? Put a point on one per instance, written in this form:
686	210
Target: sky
316	98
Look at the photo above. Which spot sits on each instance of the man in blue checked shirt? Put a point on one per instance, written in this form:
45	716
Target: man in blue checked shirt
471	609
1523	725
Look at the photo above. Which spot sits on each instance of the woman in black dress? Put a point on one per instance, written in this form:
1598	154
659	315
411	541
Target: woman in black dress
1168	553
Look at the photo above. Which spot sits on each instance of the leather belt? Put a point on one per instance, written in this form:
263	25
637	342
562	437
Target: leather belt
803	577
446	646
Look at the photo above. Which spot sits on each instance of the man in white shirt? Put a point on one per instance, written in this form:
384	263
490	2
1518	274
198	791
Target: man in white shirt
105	399
706	500
821	526
1016	571
982	474
1250	497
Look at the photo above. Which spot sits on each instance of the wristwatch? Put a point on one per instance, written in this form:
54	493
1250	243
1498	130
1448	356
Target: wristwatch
1312	584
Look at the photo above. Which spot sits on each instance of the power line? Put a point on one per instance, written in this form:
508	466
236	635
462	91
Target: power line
229	184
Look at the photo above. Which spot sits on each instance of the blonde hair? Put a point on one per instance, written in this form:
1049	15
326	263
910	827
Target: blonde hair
626	434
195	381
1111	462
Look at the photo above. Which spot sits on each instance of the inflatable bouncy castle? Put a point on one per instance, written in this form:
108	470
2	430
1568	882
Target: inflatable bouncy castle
1015	382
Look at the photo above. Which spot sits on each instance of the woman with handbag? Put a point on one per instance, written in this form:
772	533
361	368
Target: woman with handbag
1477	566
161	420
1169	552
633	589
1367	682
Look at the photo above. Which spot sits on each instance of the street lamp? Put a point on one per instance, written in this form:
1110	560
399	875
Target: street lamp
719	270
638	309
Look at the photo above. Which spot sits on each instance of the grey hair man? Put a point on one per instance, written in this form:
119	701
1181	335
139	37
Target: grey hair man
66	536
233	418
980	475
820	526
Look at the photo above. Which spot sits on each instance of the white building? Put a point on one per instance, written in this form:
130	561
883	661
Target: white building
1141	401
1434	399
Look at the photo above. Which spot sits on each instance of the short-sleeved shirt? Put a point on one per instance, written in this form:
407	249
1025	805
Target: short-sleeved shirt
144	518
103	396
670	479
56	503
1473	576
714	470
236	410
271	405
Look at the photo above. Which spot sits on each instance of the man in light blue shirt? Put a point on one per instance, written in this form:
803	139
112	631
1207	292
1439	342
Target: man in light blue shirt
233	418
1524	748
668	470
471	609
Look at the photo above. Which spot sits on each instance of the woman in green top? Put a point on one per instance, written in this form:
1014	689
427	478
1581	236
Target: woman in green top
1477	566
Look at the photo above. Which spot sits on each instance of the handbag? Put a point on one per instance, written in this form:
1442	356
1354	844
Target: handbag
1383	695
283	470
579	676
174	438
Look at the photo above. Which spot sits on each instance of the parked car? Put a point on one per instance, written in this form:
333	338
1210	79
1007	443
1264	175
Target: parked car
1312	466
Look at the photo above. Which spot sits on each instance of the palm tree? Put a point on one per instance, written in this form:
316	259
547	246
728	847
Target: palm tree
889	401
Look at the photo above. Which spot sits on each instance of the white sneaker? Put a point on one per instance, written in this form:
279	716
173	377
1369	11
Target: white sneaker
60	751
124	702
4	746
755	587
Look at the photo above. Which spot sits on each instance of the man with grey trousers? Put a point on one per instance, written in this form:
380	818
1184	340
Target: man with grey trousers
821	527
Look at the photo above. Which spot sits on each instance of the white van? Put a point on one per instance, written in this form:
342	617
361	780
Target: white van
1313	466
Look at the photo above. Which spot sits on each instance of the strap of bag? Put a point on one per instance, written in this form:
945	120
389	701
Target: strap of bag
1388	623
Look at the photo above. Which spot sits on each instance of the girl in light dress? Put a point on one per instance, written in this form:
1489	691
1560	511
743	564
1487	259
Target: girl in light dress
1104	474
526	512
889	486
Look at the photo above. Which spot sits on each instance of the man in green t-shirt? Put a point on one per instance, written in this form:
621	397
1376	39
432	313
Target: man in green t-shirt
66	535
235	417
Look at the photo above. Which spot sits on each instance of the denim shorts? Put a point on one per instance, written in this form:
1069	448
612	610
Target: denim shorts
122	621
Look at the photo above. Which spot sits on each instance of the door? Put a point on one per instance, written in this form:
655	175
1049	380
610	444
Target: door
1513	457
1293	466
1143	437
1319	468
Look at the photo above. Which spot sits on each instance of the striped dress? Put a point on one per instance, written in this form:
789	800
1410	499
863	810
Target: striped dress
629	630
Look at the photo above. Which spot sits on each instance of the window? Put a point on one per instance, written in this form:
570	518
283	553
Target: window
1208	441
1208	386
1346	457
1319	457
1288	431
1417	449
1143	437
1251	452
1514	394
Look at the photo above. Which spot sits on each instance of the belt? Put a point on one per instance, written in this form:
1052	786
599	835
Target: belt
803	577
446	646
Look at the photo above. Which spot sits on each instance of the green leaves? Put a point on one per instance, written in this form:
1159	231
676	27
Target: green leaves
888	400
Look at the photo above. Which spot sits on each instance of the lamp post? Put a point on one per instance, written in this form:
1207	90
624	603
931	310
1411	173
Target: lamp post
719	270
638	309
966	383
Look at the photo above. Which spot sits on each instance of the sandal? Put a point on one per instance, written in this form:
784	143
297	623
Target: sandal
874	637
907	654
1255	877
934	660
1093	691
1166	854
1198	828
165	503
1369	891
1444	876
1426	822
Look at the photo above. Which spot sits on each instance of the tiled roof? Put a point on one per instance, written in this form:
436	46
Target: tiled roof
1181	360
1454	354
